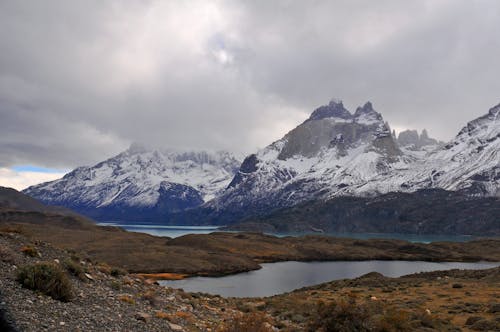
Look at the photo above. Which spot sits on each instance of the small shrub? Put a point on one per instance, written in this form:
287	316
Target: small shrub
348	315
115	285
7	255
253	322
162	315
75	269
343	315
47	278
116	272
151	297
104	268
11	229
127	299
29	251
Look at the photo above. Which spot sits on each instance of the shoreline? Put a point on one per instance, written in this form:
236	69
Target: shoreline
130	302
225	253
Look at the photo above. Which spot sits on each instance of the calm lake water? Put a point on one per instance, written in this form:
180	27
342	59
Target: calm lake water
159	230
176	231
277	278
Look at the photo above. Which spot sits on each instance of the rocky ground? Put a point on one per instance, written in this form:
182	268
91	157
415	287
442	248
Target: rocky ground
101	301
108	299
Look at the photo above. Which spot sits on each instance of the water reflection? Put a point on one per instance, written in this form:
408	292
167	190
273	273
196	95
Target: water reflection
277	278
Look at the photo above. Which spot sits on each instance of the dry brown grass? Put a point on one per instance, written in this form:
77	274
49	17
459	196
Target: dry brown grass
29	251
162	315
127	299
7	255
251	322
163	276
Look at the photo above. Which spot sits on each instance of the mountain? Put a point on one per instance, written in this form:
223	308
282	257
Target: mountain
334	152
18	208
410	139
141	184
339	153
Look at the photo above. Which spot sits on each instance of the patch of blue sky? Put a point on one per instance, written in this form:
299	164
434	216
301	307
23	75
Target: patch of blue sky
36	169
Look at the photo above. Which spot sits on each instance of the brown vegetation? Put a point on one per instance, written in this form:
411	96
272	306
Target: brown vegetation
226	253
47	278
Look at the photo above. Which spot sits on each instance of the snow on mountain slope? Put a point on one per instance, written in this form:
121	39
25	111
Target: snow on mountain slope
336	153
332	152
142	178
470	162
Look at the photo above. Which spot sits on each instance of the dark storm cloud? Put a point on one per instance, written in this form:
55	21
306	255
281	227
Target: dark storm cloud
79	81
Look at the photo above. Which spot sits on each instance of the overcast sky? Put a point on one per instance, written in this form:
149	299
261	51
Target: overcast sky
81	80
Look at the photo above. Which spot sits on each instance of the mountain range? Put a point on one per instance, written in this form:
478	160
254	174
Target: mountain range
337	153
334	153
141	184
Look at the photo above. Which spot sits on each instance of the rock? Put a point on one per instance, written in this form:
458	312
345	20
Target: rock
175	327
484	325
494	308
457	286
151	282
142	316
472	319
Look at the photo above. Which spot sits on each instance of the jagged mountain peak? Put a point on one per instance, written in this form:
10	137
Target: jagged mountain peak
411	139
366	108
486	127
334	109
359	156
366	114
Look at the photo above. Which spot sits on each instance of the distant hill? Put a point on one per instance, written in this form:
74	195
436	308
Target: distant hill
426	211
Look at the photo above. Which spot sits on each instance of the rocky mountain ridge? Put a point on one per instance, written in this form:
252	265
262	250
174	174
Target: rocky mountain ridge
141	183
333	153
337	153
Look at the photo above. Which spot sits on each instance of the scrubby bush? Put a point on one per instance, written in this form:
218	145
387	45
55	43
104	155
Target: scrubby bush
7	255
47	278
116	272
348	315
126	298
29	251
251	322
104	268
75	268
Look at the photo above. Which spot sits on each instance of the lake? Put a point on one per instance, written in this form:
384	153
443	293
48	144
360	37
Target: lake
282	277
160	230
176	231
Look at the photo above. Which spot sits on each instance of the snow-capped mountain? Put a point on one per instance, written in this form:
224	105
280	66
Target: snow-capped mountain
141	183
332	152
470	162
410	139
337	153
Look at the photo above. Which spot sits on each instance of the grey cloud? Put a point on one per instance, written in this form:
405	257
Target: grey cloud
79	81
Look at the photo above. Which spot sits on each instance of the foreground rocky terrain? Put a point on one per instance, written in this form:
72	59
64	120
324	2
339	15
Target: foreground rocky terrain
105	298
